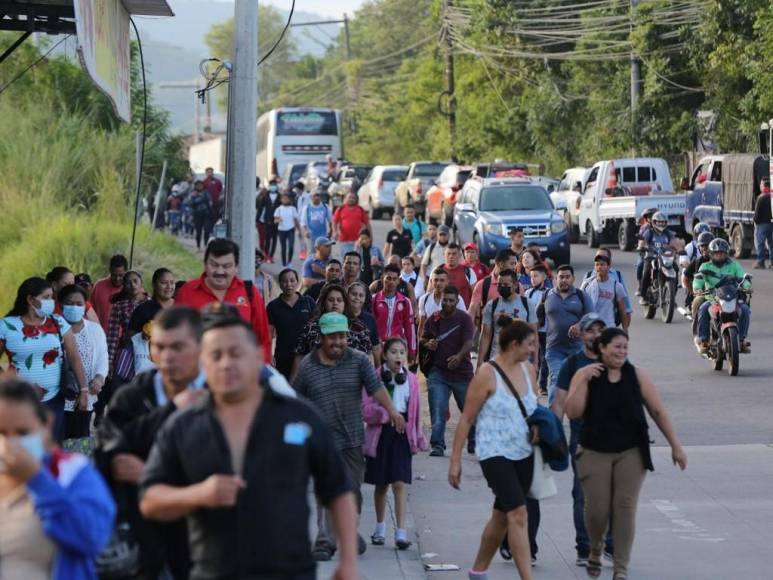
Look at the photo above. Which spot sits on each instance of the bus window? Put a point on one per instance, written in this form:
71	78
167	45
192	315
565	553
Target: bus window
306	123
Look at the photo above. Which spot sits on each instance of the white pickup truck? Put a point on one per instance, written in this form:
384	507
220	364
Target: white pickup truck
618	191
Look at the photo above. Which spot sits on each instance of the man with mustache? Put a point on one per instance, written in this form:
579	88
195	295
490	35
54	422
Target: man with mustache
219	283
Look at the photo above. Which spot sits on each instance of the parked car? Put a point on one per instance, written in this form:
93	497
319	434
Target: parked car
500	167
377	194
487	209
441	197
421	176
348	180
292	174
722	192
569	191
618	191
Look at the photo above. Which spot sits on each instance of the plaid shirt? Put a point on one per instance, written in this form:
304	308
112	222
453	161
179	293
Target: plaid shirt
118	325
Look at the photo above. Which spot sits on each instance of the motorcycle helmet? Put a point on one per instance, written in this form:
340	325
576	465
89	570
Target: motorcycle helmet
700	228
705	238
659	222
647	213
719	246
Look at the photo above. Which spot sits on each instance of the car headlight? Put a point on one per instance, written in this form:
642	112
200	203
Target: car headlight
557	227
495	229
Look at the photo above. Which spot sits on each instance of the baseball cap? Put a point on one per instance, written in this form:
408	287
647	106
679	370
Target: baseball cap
323	241
83	278
332	322
590	319
601	258
444	229
471	246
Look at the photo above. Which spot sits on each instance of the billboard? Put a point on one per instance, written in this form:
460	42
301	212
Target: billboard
102	27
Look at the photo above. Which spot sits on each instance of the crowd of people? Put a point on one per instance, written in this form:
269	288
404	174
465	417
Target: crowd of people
212	403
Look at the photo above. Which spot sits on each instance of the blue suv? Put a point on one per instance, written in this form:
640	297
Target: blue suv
488	209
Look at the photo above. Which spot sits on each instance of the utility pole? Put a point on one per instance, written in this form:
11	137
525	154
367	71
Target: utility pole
348	38
242	136
635	82
451	113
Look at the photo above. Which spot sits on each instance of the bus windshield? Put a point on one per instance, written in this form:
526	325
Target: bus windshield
306	123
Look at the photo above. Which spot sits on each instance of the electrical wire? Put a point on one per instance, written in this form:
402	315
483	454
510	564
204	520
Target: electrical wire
30	67
142	142
281	36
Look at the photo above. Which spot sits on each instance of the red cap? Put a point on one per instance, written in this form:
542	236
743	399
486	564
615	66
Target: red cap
471	246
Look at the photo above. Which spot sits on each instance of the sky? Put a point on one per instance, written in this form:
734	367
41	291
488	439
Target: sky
328	8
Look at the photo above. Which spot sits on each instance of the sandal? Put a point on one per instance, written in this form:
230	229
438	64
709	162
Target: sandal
593	568
377	540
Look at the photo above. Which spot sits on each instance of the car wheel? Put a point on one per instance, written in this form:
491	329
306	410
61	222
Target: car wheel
572	231
373	211
591	235
446	215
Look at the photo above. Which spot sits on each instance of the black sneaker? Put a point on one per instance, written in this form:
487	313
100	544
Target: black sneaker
609	554
582	559
362	545
322	554
471	447
533	561
402	544
437	451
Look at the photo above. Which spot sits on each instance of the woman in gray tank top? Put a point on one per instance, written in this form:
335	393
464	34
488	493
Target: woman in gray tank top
500	398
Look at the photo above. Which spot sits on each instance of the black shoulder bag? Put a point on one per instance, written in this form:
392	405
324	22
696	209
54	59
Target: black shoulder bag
68	384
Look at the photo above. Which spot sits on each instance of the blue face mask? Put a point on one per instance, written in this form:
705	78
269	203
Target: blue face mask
73	313
46	309
33	444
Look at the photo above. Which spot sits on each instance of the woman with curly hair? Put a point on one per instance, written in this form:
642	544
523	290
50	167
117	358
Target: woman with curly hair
332	298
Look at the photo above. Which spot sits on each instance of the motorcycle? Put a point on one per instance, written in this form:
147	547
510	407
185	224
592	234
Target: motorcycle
724	313
663	284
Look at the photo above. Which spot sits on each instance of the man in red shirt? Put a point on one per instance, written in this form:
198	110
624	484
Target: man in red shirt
393	312
504	260
472	260
348	221
459	275
107	287
219	283
215	188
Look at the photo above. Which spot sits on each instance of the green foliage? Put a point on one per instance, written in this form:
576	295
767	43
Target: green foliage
67	175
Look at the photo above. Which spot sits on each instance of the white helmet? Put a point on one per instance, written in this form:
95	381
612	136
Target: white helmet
659	221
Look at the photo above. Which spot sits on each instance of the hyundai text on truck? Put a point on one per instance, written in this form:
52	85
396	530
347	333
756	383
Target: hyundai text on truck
722	192
616	193
487	210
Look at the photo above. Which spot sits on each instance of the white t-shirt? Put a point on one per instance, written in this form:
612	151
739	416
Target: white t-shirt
400	397
288	215
428	306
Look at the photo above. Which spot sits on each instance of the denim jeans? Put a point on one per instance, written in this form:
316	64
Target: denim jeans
581	537
344	247
287	241
439	392
639	268
555	359
763	233
704	321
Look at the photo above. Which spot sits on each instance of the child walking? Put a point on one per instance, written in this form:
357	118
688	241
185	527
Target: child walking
387	452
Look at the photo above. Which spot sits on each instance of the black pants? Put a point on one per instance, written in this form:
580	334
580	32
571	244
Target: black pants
203	225
287	241
646	278
272	231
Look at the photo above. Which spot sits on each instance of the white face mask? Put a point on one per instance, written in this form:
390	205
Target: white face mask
46	308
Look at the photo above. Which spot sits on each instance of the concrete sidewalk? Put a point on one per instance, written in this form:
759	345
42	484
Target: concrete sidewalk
382	562
714	521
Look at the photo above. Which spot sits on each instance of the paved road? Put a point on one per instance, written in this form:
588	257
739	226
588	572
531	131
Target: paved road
715	521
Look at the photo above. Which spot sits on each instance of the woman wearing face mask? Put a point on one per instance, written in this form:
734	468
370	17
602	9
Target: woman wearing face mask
92	349
35	339
124	304
56	513
59	277
333	298
388	453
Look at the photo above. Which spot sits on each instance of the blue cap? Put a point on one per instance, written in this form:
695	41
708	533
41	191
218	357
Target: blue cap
323	241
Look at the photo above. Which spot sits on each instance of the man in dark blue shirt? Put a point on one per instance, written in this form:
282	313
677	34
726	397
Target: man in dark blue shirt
591	326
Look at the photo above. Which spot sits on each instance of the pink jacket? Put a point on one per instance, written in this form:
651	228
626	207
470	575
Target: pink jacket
375	416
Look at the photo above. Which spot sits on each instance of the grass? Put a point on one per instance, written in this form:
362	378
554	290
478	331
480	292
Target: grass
66	191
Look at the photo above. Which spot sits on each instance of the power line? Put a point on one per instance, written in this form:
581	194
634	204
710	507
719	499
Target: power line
142	141
281	36
30	67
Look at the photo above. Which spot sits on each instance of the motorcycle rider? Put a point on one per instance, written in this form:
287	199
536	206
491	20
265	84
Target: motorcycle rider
692	250
653	239
645	223
692	302
713	271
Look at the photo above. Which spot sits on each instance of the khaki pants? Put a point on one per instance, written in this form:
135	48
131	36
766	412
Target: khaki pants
354	462
611	483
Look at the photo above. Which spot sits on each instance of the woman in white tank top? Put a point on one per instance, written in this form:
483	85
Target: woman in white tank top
503	444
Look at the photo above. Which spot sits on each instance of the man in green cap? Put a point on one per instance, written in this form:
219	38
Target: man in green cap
332	377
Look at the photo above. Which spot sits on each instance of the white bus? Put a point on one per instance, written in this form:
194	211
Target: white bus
296	135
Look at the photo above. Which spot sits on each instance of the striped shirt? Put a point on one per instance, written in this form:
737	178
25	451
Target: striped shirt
336	393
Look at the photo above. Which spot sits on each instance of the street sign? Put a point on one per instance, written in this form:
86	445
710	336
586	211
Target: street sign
103	46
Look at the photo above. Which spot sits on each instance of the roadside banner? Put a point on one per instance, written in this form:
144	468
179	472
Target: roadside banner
102	27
